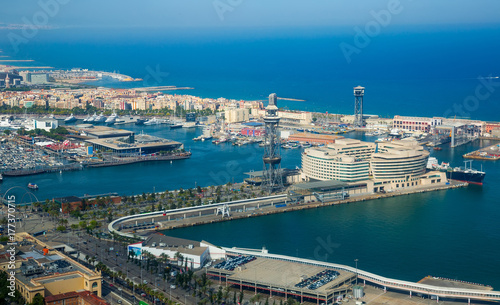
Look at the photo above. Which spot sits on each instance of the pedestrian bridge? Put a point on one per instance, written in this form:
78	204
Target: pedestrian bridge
409	287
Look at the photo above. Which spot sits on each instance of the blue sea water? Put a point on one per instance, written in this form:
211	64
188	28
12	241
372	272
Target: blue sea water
407	71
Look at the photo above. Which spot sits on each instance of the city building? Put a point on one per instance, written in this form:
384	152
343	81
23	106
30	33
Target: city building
47	272
235	115
352	147
376	123
287	117
344	160
325	164
39	78
135	145
252	132
416	123
314	138
194	253
387	166
75	298
402	161
45	123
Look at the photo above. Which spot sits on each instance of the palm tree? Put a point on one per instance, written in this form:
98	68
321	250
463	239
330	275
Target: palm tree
256	298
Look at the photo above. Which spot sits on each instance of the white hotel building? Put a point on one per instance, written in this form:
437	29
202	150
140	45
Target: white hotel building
346	160
388	166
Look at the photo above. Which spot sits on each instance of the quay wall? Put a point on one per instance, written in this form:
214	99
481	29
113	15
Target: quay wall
248	208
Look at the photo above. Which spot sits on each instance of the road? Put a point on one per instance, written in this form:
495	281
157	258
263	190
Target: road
117	260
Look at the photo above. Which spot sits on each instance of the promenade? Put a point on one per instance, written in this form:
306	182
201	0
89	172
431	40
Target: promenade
163	220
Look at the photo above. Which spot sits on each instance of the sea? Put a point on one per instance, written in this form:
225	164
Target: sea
418	71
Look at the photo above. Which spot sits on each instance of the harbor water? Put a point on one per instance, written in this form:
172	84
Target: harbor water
449	233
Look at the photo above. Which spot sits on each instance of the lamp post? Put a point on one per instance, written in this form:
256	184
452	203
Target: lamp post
356	261
113	275
133	285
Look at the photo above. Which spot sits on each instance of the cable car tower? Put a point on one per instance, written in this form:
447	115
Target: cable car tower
359	92
272	176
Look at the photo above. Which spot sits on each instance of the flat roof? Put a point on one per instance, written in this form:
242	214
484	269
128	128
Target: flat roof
316	136
320	184
441	282
114	143
58	278
284	171
103	131
283	274
174	244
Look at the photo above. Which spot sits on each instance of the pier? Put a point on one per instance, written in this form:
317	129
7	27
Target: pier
192	216
490	153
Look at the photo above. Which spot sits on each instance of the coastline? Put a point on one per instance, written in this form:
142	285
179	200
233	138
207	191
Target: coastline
266	210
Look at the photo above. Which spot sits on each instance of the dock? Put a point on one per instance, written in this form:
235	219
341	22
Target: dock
200	215
490	153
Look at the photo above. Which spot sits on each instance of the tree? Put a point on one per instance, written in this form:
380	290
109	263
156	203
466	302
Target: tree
38	300
61	228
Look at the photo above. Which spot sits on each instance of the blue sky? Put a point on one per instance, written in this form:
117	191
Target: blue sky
249	13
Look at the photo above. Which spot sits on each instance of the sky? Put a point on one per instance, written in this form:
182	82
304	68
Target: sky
246	13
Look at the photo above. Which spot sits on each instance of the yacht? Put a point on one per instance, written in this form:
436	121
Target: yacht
91	119
100	119
5	121
153	121
70	119
140	121
111	119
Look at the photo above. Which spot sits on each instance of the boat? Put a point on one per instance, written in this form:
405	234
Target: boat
306	145
437	148
91	119
32	186
464	174
175	125
70	119
153	121
111	119
1	178
140	121
100	119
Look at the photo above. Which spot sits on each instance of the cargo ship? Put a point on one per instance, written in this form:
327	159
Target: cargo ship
465	174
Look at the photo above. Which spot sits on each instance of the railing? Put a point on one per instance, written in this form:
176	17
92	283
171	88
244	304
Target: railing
278	198
445	292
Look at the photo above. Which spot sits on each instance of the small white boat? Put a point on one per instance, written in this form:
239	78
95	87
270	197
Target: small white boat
70	119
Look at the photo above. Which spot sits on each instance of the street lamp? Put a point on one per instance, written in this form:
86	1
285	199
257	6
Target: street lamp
356	261
133	285
113	275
